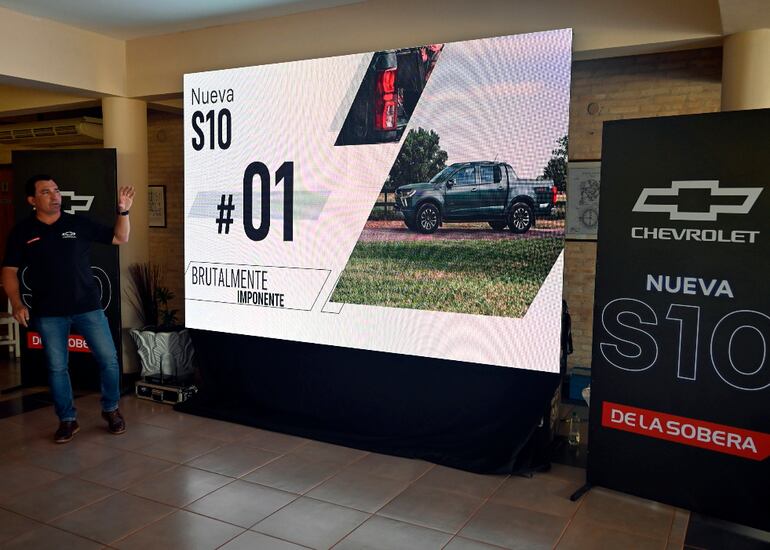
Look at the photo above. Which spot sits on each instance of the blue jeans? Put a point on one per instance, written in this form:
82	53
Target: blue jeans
93	325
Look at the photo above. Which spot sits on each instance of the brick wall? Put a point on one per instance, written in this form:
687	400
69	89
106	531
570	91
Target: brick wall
625	87
166	167
675	83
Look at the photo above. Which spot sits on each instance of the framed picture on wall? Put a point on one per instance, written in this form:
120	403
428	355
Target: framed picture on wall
583	199
156	205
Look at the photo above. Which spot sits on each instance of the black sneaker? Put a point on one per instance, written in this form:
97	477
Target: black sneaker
115	421
67	429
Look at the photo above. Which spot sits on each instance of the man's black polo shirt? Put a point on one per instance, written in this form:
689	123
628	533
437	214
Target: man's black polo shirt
58	262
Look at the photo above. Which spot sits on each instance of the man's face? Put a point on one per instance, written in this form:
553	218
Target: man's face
47	199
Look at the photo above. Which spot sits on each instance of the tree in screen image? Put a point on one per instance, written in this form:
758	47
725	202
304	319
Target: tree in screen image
420	159
556	169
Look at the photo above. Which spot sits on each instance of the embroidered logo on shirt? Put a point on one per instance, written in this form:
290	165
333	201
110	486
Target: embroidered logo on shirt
68	235
33	240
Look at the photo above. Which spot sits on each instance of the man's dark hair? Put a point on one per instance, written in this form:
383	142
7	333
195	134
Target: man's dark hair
30	186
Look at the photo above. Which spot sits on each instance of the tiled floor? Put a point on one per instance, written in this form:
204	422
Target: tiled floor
180	481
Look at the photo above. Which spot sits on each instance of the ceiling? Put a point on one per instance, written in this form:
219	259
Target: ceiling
126	20
744	15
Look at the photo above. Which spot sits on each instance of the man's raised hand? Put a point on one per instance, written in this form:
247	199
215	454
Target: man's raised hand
125	198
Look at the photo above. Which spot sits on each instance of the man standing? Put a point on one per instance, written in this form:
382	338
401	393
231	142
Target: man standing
55	247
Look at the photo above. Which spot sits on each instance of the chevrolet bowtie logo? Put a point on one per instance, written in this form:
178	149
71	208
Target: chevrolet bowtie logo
748	194
77	203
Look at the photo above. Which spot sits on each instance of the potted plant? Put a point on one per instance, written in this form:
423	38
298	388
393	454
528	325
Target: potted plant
164	346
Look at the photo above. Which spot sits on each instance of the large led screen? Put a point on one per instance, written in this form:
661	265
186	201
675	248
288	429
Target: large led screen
405	201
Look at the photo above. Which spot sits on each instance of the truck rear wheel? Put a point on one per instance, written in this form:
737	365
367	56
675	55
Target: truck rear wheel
428	218
520	218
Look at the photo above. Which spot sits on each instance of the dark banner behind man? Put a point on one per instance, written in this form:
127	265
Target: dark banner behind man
87	179
681	365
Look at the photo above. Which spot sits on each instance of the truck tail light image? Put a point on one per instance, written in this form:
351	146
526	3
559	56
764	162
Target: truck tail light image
385	104
554	194
389	91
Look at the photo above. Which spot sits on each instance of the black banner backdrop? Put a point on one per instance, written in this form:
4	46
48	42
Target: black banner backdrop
475	417
87	179
681	369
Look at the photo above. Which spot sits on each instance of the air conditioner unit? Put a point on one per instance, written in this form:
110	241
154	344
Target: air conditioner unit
50	133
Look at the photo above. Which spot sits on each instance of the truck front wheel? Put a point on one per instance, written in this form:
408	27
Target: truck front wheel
428	218
520	217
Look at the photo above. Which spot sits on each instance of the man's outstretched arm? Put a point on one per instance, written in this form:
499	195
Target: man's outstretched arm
122	224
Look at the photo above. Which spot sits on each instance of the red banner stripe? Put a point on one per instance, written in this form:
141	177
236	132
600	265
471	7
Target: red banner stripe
687	431
75	342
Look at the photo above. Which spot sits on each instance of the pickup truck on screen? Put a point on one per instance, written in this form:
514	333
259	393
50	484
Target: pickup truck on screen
483	191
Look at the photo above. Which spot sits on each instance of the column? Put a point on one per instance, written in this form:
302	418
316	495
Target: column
125	129
746	70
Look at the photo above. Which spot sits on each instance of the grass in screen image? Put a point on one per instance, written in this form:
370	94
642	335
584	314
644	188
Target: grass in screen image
484	277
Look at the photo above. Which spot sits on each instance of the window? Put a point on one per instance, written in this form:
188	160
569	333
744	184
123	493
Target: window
491	173
466	176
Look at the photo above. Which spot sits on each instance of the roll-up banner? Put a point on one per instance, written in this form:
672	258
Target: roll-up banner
87	180
681	361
